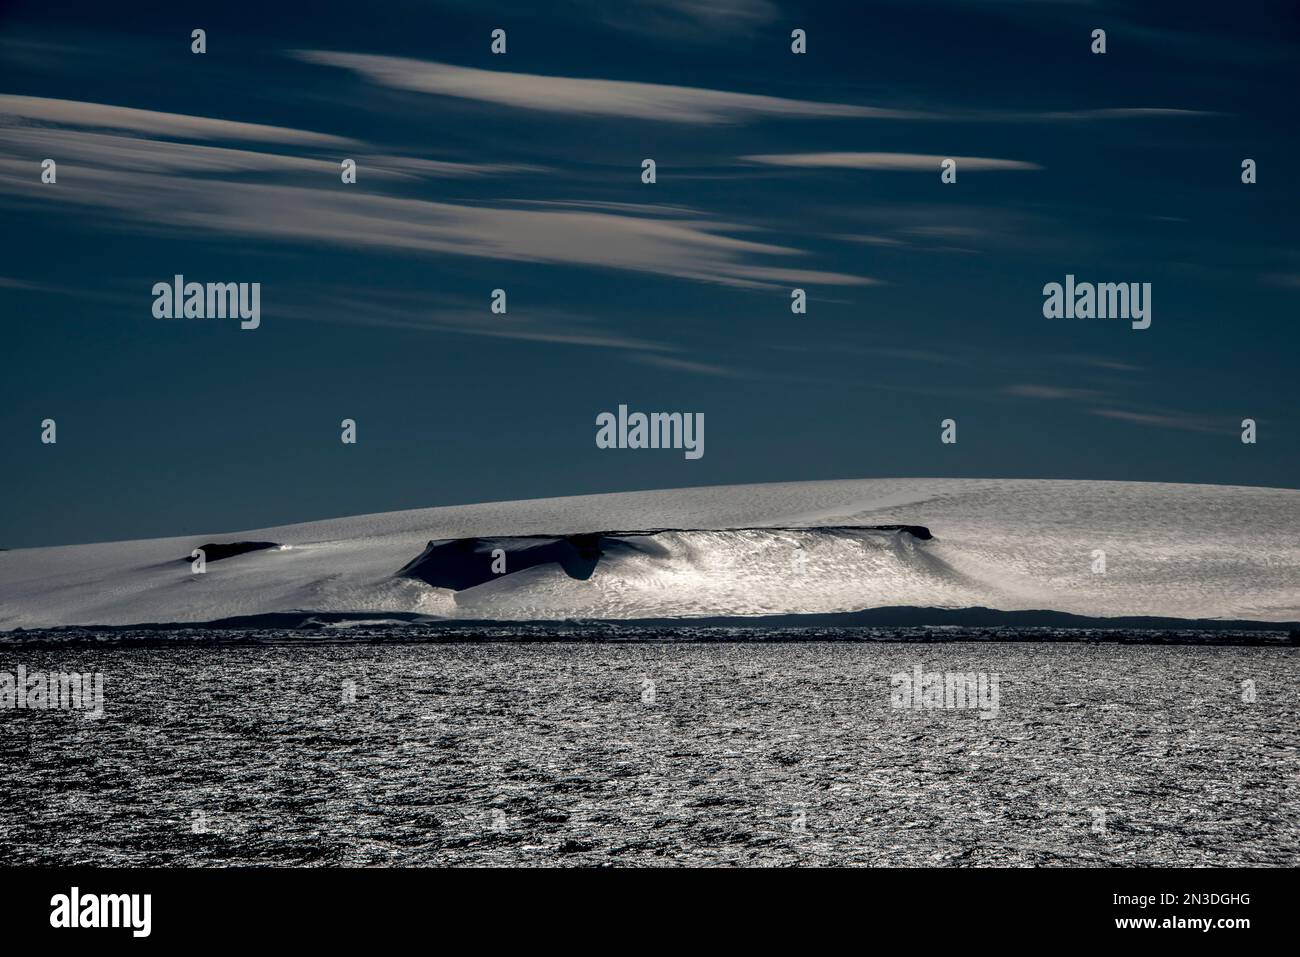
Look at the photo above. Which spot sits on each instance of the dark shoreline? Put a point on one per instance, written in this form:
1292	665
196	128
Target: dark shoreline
898	624
605	633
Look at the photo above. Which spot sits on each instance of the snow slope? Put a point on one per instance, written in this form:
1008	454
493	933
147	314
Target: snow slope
1186	551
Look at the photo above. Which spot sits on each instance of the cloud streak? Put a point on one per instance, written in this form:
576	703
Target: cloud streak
909	162
1186	423
689	19
1033	391
42	111
157	183
674	364
105	151
111	137
583	97
423	313
1163	419
697	249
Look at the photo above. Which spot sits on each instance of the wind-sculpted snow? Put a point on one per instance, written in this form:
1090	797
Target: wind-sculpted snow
219	551
463	563
816	548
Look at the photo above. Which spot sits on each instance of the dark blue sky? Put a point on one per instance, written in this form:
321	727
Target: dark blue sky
925	299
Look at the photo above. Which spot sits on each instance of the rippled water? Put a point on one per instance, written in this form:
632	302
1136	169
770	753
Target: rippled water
580	753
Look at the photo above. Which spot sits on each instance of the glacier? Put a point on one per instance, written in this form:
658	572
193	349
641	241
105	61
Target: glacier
803	548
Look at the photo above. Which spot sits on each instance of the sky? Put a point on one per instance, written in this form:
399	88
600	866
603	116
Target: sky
522	171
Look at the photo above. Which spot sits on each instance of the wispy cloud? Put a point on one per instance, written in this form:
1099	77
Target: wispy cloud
1110	365
420	166
148	183
687	365
111	151
585	97
7	282
689	19
1160	418
42	111
1031	391
610	206
422	312
946	231
911	162
109	137
1109	113
1186	423
841	348
870	240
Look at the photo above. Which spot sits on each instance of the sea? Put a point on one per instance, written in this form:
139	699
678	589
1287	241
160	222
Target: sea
379	747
